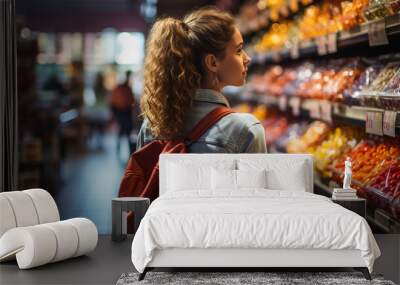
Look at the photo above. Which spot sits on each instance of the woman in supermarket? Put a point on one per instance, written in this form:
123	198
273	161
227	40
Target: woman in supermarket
188	63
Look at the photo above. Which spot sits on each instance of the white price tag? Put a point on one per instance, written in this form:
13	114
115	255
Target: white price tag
326	111
295	103
322	45
332	43
282	102
276	56
294	50
373	123
315	112
377	33
389	123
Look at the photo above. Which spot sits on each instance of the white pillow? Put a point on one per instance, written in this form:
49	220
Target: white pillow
251	178
280	180
223	179
282	174
193	175
183	178
226	179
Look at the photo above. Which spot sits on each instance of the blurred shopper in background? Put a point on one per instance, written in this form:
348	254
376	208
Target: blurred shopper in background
122	102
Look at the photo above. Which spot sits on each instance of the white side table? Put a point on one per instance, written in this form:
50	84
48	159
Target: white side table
138	205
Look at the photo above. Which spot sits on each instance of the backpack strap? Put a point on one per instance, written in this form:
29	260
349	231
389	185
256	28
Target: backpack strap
207	122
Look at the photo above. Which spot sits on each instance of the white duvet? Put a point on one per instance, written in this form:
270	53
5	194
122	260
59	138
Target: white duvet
256	218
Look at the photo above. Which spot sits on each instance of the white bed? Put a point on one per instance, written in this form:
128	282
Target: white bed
248	227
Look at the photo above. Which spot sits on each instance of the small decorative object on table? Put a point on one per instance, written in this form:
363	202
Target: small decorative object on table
347	174
345	193
120	207
347	196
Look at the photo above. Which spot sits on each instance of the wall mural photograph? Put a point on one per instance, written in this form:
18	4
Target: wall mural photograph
201	141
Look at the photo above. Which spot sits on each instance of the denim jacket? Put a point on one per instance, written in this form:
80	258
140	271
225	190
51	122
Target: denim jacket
234	133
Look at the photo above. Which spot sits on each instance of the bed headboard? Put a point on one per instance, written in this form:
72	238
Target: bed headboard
281	162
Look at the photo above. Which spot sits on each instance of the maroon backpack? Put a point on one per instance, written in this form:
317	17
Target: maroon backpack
141	174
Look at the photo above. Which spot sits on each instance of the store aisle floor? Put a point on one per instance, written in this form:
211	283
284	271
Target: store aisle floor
90	181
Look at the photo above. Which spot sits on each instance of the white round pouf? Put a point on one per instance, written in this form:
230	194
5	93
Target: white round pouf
67	240
6	215
87	234
23	208
33	246
31	233
45	205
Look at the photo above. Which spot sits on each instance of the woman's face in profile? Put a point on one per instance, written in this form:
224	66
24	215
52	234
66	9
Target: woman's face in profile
232	69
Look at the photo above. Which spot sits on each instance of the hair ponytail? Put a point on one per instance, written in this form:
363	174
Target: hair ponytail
170	78
173	69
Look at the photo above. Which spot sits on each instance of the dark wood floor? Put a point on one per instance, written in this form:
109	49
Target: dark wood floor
102	266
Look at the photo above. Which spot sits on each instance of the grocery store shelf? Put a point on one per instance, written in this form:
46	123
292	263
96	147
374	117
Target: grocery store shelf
311	109
354	42
258	33
379	219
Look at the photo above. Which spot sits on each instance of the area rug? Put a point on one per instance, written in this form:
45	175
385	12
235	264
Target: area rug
242	278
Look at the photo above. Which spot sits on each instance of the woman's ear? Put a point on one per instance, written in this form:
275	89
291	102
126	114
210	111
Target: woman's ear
210	62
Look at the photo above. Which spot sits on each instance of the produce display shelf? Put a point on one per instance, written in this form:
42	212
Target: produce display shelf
340	112
352	42
291	15
371	39
379	219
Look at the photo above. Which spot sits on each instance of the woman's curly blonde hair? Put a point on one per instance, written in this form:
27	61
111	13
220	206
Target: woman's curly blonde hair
173	67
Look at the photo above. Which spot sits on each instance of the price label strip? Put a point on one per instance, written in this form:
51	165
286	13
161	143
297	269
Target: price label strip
389	123
295	103
326	111
377	33
373	123
322	45
332	43
282	102
294	50
276	56
315	111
